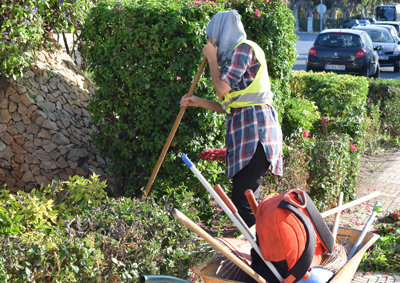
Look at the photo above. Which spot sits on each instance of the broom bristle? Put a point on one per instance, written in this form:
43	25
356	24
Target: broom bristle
335	260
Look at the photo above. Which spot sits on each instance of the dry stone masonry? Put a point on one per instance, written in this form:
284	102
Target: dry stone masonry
45	129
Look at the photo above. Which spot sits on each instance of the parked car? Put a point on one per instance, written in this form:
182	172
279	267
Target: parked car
350	23
389	56
371	20
395	24
344	51
364	22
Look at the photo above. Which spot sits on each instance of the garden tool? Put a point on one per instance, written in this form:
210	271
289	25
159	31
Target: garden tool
377	208
232	207
161	279
337	217
174	127
349	204
227	253
241	227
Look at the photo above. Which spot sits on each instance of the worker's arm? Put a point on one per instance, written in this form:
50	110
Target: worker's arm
201	102
220	86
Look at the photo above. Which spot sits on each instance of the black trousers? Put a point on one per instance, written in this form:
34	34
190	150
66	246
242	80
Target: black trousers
250	177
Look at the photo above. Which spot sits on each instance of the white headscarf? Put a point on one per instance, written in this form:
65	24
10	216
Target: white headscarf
227	28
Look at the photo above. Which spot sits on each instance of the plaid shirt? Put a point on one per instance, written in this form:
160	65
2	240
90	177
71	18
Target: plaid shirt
246	126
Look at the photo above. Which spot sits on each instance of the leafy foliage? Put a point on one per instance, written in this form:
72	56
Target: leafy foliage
143	66
299	115
384	255
97	239
25	25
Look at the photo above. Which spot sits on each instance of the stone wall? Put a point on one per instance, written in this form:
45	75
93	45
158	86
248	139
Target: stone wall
45	129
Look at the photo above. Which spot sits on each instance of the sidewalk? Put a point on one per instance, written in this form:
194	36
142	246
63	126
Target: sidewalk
385	179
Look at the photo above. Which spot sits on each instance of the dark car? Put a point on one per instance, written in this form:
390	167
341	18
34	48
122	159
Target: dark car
350	23
345	52
389	56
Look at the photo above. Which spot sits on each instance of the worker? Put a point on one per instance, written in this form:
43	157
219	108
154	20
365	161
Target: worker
253	135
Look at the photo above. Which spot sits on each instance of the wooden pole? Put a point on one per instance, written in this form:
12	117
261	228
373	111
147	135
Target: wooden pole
227	253
349	204
174	128
337	217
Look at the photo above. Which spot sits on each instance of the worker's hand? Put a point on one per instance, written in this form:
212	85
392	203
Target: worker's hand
189	101
210	51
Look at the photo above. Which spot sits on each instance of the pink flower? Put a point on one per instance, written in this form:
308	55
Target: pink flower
306	134
353	147
178	78
190	4
324	120
229	3
251	3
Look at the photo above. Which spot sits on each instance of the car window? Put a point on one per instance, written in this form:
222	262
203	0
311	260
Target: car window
339	40
368	41
380	35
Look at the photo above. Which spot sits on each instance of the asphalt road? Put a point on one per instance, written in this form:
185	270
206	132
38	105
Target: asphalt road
304	44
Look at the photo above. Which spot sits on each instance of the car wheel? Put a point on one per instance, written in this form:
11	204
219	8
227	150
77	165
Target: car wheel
377	73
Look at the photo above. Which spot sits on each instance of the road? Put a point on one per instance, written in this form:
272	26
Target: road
304	44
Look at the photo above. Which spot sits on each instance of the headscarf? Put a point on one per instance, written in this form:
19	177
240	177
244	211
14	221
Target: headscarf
227	28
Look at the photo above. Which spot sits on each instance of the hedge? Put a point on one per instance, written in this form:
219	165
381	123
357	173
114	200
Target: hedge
142	66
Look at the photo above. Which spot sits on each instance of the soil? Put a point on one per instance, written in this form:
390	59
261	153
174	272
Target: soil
368	164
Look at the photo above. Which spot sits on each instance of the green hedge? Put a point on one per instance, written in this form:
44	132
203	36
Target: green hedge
336	96
143	66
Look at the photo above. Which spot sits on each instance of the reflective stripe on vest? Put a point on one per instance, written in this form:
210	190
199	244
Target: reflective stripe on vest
258	92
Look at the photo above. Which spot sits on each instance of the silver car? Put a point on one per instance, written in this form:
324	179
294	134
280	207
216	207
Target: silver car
389	56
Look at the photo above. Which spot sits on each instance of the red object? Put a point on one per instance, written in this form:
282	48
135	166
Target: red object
313	51
281	222
361	53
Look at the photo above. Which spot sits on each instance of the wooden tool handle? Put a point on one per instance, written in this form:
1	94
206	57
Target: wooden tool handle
225	199
227	253
174	128
252	201
337	217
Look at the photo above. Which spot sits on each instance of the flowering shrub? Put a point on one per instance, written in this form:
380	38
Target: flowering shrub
383	255
333	169
213	154
143	66
25	24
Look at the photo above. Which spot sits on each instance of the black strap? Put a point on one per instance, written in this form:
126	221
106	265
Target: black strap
320	226
303	264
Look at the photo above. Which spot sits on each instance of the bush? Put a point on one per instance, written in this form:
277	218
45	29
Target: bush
299	115
296	157
383	255
333	169
142	72
113	241
336	96
25	24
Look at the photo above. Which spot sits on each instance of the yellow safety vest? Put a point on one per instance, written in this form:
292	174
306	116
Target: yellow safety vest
258	92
